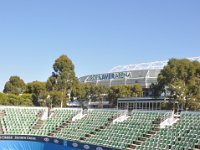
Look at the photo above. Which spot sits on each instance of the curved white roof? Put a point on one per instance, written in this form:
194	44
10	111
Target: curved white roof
144	66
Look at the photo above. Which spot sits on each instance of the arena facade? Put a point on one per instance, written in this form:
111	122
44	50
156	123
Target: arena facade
144	73
144	77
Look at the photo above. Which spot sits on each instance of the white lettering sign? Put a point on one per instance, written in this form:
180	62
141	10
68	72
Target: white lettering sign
108	76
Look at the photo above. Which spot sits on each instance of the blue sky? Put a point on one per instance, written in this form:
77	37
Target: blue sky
96	34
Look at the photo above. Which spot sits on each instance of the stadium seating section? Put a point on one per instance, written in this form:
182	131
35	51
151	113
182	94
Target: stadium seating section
183	135
93	121
120	135
140	130
19	121
58	118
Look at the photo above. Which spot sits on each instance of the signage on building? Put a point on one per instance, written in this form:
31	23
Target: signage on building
109	76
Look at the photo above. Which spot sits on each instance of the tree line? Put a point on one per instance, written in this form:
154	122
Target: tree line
178	81
61	86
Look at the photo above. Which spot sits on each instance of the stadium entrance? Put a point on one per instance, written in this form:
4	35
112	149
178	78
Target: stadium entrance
142	103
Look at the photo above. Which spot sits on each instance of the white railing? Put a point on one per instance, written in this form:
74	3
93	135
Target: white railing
79	116
120	119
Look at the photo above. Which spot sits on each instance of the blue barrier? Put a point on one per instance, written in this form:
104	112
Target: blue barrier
28	142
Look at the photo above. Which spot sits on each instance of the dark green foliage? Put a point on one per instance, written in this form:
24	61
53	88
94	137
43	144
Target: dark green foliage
63	79
38	91
15	85
56	97
118	91
25	100
79	91
3	99
100	93
16	100
180	78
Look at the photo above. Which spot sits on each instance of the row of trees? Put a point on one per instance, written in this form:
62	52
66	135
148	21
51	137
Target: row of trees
100	92
61	86
179	81
36	93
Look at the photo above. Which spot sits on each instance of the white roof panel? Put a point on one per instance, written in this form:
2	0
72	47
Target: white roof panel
144	66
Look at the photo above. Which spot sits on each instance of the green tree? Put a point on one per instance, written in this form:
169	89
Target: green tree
117	91
38	91
25	100
179	80
99	94
78	91
3	99
113	94
15	85
155	89
63	78
55	98
124	91
16	100
91	92
136	90
87	90
13	100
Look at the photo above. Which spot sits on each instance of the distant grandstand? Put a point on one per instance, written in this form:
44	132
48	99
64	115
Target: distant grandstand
37	128
145	74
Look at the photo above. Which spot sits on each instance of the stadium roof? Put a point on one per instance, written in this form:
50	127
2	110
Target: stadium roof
145	66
